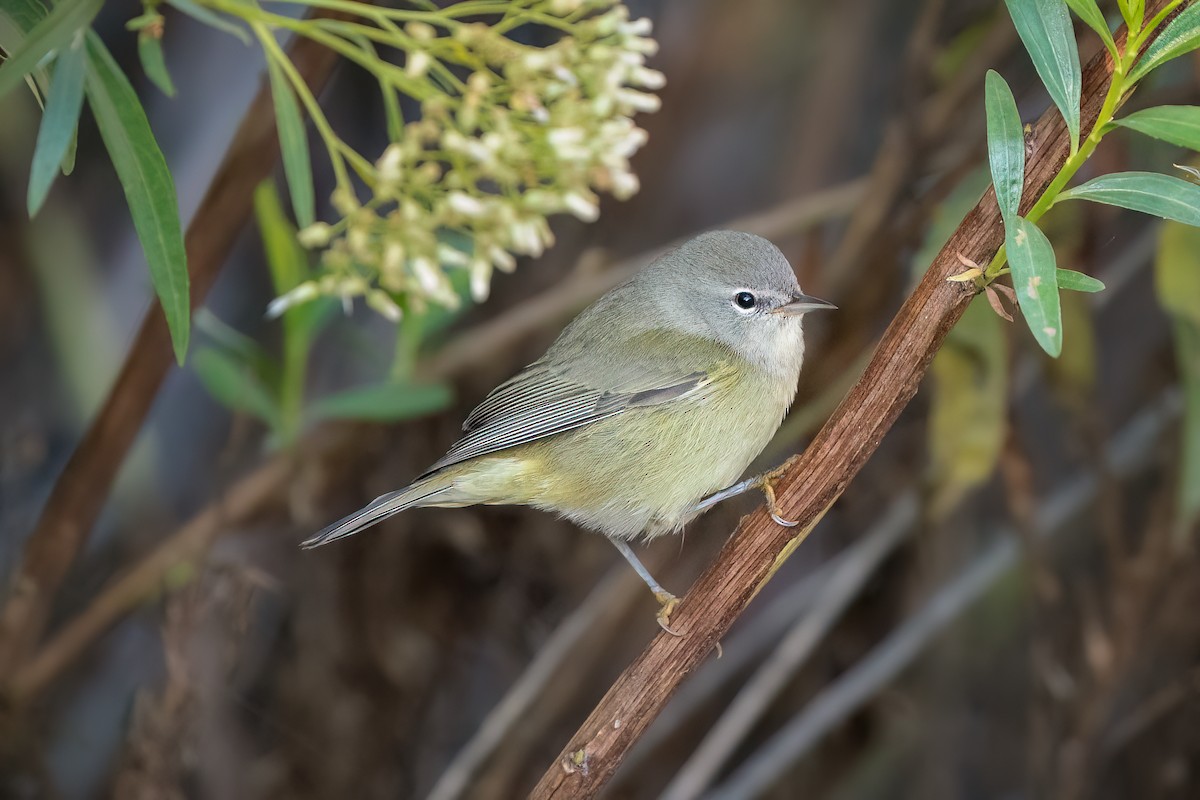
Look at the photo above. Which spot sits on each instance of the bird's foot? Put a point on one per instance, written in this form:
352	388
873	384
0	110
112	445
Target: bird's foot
667	603
766	482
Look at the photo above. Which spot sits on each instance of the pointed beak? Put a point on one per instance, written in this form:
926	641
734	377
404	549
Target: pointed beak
802	304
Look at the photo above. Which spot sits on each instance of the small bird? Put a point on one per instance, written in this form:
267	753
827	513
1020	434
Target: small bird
644	411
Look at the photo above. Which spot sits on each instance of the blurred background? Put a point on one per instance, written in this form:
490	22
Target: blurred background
1003	604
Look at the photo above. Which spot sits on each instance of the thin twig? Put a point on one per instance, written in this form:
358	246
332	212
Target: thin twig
1129	452
813	481
81	489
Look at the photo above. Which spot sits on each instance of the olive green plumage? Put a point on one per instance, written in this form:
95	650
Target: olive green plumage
657	395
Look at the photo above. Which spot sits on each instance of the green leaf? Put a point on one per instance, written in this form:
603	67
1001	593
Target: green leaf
58	123
149	189
151	54
1177	281
1045	28
1148	192
202	14
293	145
1182	35
55	30
1179	125
968	414
383	403
234	384
1035	281
1133	12
17	19
25	14
238	346
1006	144
1073	281
1090	13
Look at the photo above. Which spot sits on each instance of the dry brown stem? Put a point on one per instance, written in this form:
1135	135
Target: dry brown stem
814	480
84	484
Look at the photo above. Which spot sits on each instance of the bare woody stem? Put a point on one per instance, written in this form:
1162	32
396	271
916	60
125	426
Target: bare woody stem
84	484
814	480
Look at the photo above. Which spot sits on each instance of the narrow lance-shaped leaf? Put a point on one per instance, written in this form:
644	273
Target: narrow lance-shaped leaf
1045	28
1148	192
54	31
234	384
17	19
383	403
148	186
1090	13
1031	258
1006	144
293	146
1182	35
1179	125
58	123
150	52
1074	281
1177	282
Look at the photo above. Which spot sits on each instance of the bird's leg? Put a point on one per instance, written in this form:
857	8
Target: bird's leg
666	601
725	494
765	482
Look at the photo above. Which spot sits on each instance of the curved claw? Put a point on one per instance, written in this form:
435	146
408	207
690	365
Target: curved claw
787	523
773	509
668	602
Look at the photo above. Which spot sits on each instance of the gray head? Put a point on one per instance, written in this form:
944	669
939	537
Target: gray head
737	288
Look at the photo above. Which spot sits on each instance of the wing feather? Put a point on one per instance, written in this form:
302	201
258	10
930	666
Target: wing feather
547	398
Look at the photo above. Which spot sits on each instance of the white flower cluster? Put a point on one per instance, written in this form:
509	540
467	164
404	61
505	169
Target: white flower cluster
529	132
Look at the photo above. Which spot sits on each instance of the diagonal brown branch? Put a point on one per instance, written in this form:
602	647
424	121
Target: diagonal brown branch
84	484
813	480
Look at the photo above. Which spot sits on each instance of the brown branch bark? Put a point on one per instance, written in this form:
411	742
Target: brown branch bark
85	482
814	480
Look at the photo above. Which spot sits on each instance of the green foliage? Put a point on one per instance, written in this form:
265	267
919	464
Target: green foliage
63	104
1090	14
1181	36
1006	144
293	146
1177	280
1045	28
150	53
67	19
235	384
383	403
1179	125
1035	280
239	374
1159	195
1073	281
148	186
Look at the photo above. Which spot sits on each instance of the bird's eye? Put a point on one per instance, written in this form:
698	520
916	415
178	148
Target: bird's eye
744	300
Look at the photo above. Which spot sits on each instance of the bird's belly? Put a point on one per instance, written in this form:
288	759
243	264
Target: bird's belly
640	473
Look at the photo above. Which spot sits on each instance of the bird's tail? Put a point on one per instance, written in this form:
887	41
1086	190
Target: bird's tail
424	492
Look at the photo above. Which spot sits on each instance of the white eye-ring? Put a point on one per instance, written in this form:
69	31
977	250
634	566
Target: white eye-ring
745	301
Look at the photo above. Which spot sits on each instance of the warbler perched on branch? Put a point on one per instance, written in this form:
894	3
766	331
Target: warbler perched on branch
656	396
